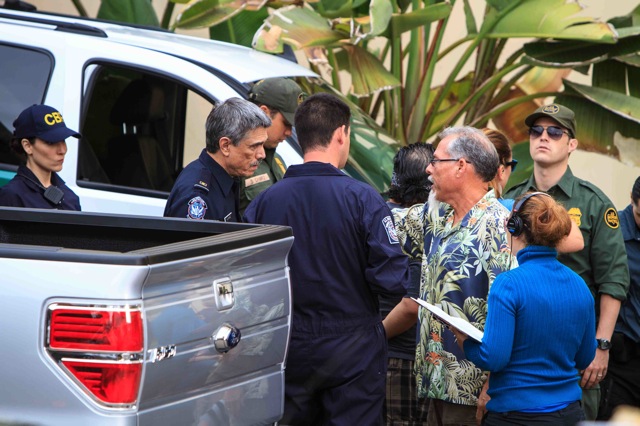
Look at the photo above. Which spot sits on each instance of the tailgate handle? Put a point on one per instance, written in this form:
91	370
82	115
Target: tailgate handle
226	338
223	292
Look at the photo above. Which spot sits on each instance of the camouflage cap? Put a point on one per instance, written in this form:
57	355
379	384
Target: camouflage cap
279	93
559	113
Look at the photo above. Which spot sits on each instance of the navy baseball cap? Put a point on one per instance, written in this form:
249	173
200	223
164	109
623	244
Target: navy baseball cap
43	122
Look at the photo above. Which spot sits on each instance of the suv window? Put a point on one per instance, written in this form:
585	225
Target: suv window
134	129
24	76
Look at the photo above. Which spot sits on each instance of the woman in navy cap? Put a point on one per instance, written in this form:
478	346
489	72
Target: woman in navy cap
39	140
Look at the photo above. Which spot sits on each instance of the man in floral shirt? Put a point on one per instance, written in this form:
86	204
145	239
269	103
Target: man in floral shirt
465	248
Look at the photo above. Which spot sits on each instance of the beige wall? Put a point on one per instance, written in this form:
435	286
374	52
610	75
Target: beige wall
613	177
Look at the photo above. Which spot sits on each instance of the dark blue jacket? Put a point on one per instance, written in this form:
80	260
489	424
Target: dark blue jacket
25	190
204	190
345	251
629	318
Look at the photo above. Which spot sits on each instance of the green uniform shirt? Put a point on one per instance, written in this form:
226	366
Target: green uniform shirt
270	170
602	262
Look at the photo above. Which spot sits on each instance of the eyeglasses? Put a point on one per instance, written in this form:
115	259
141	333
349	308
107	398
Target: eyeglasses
436	160
554	132
513	163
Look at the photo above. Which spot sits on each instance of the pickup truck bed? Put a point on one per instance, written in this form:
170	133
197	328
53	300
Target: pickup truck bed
194	320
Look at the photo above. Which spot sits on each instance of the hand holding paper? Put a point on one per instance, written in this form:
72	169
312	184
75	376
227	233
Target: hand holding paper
463	326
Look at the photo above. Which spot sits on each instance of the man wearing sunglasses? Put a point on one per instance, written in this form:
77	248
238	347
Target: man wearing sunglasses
602	262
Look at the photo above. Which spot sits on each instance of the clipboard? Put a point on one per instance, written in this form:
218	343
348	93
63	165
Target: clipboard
459	323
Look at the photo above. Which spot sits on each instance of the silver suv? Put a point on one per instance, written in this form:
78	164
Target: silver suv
139	97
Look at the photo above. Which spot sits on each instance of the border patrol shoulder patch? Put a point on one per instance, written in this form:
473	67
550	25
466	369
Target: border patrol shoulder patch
611	218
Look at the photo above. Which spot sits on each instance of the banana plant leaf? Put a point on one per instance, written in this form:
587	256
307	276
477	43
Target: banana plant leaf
137	12
302	27
597	124
332	9
241	28
206	13
546	19
367	26
459	91
368	75
618	103
574	53
401	23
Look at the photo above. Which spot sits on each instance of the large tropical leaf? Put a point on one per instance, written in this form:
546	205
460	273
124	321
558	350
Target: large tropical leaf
575	53
134	11
206	13
241	28
618	103
302	27
545	19
404	22
597	124
368	75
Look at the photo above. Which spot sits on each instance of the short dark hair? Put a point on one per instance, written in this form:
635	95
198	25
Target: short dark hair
233	118
410	182
635	192
318	117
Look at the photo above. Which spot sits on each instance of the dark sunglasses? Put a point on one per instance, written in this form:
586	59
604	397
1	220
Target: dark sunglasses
554	132
513	163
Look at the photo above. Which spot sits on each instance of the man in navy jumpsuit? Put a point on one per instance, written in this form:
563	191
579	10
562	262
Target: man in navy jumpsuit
344	255
208	187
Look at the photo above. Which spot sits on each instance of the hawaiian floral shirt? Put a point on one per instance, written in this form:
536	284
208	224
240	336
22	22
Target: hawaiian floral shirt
459	264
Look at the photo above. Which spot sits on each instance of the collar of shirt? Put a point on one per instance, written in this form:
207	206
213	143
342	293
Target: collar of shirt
33	182
313	168
565	184
226	183
476	212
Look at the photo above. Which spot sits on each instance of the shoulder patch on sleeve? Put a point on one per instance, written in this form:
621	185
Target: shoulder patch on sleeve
611	218
196	208
387	222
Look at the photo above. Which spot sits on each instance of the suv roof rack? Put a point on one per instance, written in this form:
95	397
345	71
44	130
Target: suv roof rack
60	26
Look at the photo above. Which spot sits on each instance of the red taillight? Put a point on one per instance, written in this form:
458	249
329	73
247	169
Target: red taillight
101	347
96	330
111	383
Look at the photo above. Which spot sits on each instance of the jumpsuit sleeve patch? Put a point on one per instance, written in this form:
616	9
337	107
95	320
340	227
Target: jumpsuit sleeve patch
611	218
387	222
196	208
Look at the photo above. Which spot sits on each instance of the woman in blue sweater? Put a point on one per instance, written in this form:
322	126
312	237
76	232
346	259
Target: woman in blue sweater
540	327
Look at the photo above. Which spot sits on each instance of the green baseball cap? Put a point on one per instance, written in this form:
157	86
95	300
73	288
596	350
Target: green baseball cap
559	113
279	93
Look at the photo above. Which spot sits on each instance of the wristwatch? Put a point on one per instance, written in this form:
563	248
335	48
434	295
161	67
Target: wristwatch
604	344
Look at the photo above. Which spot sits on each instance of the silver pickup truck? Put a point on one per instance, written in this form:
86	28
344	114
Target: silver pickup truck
131	320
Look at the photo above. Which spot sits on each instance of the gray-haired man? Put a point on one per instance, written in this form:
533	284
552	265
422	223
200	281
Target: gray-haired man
207	188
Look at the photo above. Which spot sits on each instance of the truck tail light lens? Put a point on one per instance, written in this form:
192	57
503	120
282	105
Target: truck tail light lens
101	347
96	330
110	383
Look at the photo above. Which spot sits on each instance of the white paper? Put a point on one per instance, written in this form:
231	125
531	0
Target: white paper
459	323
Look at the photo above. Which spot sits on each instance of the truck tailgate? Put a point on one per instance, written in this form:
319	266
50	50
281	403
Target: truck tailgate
186	305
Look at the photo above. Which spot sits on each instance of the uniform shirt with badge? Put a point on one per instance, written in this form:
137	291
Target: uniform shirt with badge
25	190
602	263
204	190
270	170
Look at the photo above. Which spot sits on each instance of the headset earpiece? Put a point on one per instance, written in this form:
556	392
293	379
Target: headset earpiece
515	225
